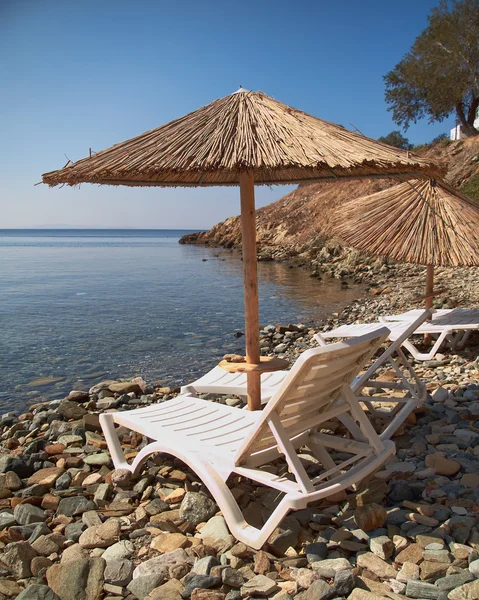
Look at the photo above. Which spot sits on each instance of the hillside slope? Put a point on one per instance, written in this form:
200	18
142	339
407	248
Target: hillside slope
303	216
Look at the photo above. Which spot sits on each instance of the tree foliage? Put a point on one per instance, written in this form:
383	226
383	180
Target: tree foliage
396	139
440	73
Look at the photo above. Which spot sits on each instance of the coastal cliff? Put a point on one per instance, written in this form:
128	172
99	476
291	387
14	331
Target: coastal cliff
297	227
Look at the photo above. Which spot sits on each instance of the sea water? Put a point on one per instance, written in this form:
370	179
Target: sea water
79	306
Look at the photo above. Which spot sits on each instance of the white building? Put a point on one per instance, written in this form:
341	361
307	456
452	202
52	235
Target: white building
457	133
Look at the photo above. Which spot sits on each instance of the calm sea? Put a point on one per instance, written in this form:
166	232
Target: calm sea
79	306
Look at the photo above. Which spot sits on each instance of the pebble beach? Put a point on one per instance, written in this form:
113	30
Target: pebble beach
73	527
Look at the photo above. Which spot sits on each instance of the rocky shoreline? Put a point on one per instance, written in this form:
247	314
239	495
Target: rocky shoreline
74	528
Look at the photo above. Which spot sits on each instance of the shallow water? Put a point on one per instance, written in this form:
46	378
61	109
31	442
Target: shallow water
78	306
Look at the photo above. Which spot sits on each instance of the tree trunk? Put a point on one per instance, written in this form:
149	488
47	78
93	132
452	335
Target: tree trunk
467	123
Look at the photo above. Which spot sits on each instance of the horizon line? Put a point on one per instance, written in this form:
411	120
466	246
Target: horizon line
72	227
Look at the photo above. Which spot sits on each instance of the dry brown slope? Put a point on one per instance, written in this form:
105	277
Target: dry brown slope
302	216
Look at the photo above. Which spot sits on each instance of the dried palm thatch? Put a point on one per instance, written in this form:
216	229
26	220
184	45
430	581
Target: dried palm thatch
422	222
246	131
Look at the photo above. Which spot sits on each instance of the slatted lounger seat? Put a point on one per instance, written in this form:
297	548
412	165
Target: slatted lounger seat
219	381
453	325
216	441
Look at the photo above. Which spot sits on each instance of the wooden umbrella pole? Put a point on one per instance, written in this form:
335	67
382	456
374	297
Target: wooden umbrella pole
429	286
251	312
429	295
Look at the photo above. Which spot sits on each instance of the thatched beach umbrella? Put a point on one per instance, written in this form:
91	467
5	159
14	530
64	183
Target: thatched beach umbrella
420	221
243	139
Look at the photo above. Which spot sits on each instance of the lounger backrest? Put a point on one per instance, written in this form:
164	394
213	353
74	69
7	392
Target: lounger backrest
312	387
391	349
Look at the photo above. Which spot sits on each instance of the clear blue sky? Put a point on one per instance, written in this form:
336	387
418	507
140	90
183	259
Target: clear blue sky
76	75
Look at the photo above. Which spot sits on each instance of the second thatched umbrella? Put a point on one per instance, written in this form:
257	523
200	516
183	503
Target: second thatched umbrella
419	221
243	139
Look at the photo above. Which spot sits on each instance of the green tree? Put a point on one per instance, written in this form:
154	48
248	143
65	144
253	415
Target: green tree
396	138
440	73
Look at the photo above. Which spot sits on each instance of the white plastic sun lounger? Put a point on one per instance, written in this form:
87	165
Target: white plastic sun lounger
456	325
443	330
219	381
414	388
216	440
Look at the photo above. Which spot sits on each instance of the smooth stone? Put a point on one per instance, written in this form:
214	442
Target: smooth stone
142	586
407	572
422	590
318	590
197	508
26	514
412	553
215	529
360	594
40	564
260	585
17	557
44	545
332	564
121	477
101	536
376	565
73	531
99	460
232	577
171	590
119	551
204	565
468	591
194	581
119	572
73	552
167	542
370	517
451	582
78	396
45	476
344	583
442	465
71	410
37	592
160	564
381	546
13	481
474	567
125	387
15	464
9	588
80	579
6	520
316	551
75	505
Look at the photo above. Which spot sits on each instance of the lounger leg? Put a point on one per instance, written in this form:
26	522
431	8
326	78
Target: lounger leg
108	426
321	454
398	420
431	354
215	482
352	426
359	415
462	342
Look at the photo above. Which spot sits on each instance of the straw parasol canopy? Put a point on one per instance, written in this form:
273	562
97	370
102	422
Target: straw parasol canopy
244	138
243	131
420	221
